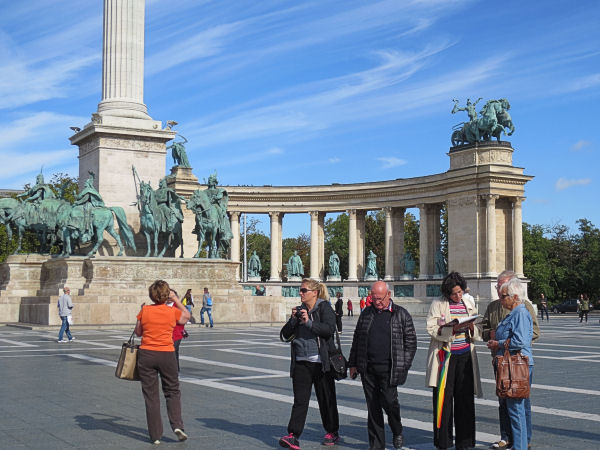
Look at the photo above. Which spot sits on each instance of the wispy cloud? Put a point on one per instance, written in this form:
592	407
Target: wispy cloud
33	130
580	145
249	158
390	162
563	183
334	160
23	163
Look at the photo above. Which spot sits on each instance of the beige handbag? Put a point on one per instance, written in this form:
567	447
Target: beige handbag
127	364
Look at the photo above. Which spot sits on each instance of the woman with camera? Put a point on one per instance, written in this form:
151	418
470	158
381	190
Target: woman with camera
310	330
155	324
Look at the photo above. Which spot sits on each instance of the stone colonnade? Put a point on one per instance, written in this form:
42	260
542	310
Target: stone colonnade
482	190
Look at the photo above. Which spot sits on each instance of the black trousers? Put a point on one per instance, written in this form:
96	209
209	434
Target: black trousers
459	405
581	314
306	374
338	321
380	395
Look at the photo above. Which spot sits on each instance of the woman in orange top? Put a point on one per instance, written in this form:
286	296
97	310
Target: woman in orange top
155	324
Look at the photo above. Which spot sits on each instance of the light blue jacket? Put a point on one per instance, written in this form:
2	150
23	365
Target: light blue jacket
517	326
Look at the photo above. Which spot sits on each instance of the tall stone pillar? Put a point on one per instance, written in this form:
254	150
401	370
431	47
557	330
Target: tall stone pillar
234	217
123	60
490	235
424	238
275	245
121	134
398	240
518	236
321	228
352	238
314	245
360	243
389	244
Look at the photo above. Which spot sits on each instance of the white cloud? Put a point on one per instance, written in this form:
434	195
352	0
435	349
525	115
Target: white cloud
22	163
390	162
580	145
564	183
334	160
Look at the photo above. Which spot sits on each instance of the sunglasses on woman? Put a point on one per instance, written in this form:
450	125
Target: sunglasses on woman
305	290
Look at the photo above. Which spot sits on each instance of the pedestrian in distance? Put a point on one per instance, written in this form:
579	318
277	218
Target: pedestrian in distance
452	367
188	302
362	304
383	347
156	356
518	327
311	329
350	308
339	311
494	314
544	307
207	304
65	307
584	307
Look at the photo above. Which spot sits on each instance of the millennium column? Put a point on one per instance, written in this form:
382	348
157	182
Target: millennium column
389	244
121	134
352	233
490	235
235	241
518	236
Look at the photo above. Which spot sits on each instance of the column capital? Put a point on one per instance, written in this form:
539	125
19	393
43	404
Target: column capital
234	214
518	201
490	198
351	212
388	210
274	214
314	214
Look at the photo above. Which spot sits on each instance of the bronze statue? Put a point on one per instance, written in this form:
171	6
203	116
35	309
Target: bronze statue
179	154
493	121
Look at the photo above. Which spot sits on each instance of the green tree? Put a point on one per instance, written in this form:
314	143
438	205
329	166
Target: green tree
257	241
411	237
537	265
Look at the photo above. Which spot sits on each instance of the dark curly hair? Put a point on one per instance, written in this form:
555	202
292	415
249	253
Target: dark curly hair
452	280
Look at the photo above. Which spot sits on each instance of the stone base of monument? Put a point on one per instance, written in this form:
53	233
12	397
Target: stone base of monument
110	290
294	279
333	278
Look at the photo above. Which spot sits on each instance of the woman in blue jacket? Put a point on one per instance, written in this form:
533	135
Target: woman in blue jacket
518	327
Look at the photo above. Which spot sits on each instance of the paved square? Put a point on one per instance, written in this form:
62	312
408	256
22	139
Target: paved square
237	391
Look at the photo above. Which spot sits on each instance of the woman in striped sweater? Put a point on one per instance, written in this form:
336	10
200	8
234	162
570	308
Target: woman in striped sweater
452	368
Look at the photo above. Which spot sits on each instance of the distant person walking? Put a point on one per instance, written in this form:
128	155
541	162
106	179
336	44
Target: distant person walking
339	311
188	302
207	304
362	304
65	306
544	307
350	308
584	307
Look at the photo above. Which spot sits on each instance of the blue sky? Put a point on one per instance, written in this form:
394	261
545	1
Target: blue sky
295	93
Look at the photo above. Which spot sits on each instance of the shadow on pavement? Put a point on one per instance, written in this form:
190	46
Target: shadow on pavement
113	424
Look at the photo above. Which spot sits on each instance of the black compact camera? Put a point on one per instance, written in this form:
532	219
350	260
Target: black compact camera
299	311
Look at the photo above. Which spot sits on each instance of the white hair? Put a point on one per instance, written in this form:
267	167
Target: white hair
513	287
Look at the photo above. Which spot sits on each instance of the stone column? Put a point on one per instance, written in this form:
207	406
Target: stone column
321	247
360	243
352	233
234	217
398	240
123	60
389	245
424	238
314	245
490	234
275	245
518	236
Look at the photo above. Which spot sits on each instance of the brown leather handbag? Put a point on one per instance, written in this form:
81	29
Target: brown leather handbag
512	374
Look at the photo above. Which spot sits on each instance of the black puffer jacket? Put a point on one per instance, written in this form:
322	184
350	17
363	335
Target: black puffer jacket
403	346
322	325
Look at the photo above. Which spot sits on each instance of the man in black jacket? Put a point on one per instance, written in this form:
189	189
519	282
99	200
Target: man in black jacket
383	348
339	312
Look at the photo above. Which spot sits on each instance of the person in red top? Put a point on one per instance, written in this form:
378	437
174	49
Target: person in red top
349	306
369	299
155	324
363	304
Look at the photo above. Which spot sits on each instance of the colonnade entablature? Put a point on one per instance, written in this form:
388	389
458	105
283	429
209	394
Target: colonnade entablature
483	192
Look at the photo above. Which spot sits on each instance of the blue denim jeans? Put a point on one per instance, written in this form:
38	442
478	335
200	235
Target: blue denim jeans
64	328
519	411
209	311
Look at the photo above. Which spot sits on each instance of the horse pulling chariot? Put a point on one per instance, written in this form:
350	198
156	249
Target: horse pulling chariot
494	120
